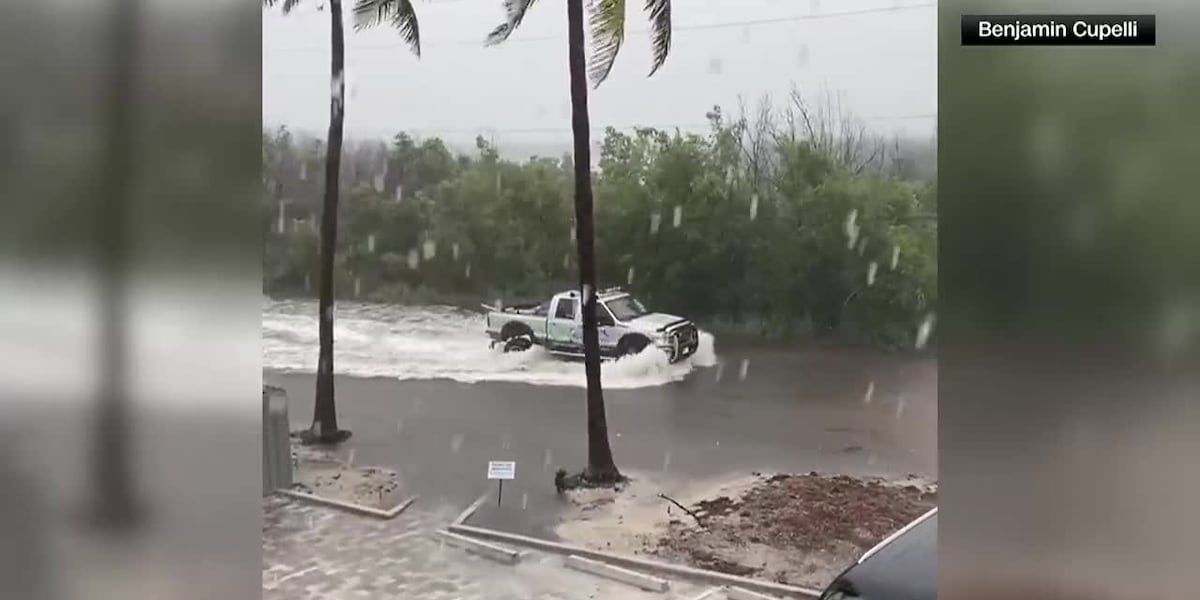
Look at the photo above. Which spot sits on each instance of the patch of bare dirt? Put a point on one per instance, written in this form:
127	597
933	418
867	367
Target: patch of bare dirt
795	529
324	473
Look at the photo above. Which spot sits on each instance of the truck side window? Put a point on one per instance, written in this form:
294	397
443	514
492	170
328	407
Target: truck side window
565	310
603	317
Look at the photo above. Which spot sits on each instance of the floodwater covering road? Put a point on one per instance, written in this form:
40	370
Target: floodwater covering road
424	395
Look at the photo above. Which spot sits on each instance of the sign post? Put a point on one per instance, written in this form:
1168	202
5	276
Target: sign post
501	470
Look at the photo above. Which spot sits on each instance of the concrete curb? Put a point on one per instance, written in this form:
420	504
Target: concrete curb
603	569
348	506
466	514
712	577
499	554
737	593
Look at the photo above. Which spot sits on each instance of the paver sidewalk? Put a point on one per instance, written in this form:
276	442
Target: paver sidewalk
312	552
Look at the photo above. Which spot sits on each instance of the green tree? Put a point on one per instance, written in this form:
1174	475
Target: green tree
402	17
608	33
761	247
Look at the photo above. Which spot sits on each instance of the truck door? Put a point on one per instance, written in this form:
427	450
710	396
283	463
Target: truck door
562	326
607	329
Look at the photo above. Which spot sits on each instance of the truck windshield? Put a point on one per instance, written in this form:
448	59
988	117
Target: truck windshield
625	308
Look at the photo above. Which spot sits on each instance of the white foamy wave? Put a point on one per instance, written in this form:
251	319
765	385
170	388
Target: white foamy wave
376	340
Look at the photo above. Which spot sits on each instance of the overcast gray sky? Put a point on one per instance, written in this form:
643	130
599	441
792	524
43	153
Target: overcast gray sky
880	55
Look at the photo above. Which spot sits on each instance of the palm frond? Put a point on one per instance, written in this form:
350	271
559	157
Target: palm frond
514	13
660	30
608	33
400	14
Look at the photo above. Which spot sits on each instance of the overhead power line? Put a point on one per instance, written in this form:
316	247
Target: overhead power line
675	29
662	126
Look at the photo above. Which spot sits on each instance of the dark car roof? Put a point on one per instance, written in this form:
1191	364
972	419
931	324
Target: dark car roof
903	569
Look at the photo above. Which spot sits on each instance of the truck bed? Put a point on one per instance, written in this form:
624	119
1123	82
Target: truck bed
539	309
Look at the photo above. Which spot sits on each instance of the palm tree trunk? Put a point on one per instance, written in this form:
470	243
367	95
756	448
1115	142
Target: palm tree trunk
115	507
324	411
601	468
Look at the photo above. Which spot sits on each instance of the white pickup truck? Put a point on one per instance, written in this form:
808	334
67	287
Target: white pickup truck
625	327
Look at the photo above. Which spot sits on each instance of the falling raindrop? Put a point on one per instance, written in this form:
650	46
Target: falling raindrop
587	294
715	66
899	407
678	217
399	192
307	282
566	260
371	243
337	90
745	368
870	393
895	256
399	425
418	405
454	250
851	228
720	370
414	259
506	443
667	461
629	276
753	206
304	170
310	521
655	222
379	183
872	459
429	249
468	271
802	56
862	245
871	269
524	500
546	460
456	443
925	330
573	234
357	287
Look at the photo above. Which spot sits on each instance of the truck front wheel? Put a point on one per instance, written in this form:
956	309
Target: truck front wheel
632	344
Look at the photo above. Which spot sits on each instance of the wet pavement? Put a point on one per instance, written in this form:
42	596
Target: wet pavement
312	552
762	410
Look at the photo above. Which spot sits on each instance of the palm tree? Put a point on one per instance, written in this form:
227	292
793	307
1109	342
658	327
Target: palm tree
607	19
401	15
116	506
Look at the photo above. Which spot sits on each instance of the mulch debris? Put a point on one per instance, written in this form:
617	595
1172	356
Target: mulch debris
837	517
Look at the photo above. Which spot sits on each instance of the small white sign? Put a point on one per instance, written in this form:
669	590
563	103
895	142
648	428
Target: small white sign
502	469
